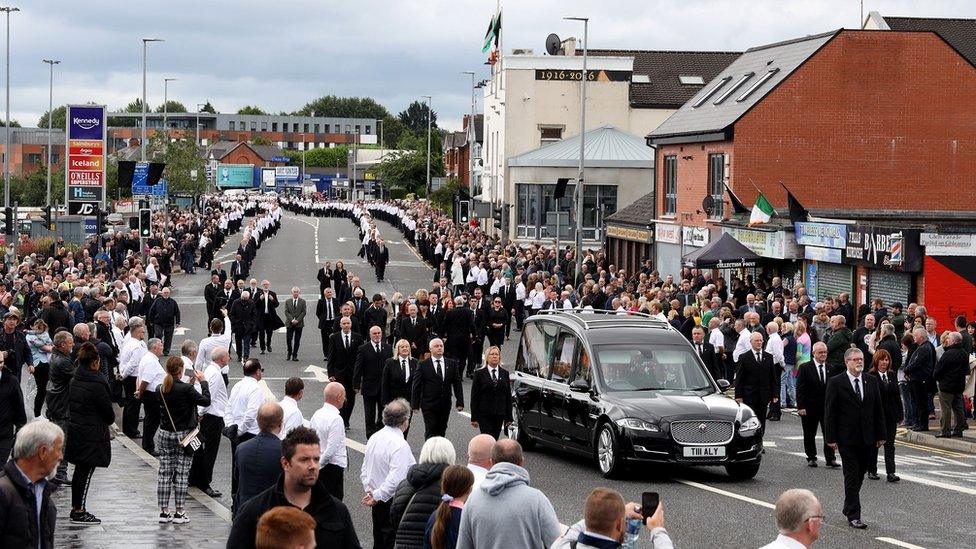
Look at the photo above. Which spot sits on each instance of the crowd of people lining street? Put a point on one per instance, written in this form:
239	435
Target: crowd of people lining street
94	327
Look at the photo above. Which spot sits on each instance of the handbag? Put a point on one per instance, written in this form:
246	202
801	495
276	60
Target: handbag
191	442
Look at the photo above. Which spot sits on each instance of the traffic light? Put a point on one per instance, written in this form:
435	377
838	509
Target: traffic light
145	223
100	226
47	216
496	216
8	219
463	214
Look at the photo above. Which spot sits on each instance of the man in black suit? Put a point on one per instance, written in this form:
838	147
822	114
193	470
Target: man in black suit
343	346
239	269
375	315
705	351
268	319
368	376
413	328
920	370
219	272
756	381
893	414
258	460
398	373
811	383
210	293
442	272
479	310
854	425
324	276
381	256
459	329
327	311
491	397
431	390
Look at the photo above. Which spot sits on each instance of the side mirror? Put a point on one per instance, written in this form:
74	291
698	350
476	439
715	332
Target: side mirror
580	386
723	384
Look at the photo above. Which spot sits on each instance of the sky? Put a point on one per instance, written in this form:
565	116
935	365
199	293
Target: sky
280	55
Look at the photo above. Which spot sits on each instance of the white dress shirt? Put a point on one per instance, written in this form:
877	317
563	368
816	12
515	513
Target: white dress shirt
329	426
716	338
742	345
293	416
775	347
245	398
187	369
206	348
387	460
218	392
784	542
479	475
130	356
151	371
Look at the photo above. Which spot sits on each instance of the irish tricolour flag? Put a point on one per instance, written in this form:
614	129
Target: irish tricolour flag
762	211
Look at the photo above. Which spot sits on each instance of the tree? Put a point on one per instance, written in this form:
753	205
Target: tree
250	109
134	106
13	124
415	117
57	122
260	140
393	130
408	168
443	197
181	157
172	106
208	108
344	107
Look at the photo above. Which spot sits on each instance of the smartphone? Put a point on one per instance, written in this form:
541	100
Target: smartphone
649	503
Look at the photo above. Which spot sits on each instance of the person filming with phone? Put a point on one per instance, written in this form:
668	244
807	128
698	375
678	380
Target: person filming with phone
608	523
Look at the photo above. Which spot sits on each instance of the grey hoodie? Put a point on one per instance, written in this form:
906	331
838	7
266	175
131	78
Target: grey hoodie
505	512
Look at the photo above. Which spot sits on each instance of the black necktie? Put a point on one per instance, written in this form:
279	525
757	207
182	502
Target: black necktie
377	348
857	387
494	375
701	351
820	369
884	378
346	338
329	303
440	371
403	366
758	357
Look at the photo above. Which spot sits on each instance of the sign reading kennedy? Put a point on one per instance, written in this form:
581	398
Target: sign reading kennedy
86	122
85	166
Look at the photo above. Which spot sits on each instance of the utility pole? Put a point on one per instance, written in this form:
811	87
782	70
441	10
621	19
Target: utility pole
199	106
142	134
428	143
166	82
50	117
8	148
472	137
582	154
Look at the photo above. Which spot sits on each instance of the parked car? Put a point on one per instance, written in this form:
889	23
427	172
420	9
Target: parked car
627	389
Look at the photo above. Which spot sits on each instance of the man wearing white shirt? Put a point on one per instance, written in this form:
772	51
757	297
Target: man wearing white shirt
328	424
385	465
188	354
799	517
294	391
129	357
151	375
479	457
245	398
220	339
211	423
742	345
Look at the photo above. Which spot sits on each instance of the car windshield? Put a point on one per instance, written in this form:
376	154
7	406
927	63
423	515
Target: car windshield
642	367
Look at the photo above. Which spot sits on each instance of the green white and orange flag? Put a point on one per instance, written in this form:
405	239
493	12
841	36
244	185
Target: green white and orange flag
494	33
762	211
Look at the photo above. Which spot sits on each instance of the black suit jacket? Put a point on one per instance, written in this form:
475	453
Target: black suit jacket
321	310
430	392
368	373
489	398
459	326
414	333
890	397
258	466
325	279
756	382
210	296
342	361
441	273
849	421
220	273
395	383
222	302
239	270
709	357
809	389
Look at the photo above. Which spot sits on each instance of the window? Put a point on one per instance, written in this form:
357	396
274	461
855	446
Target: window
562	361
691	80
549	134
316	128
670	185
734	87
54	158
274	126
231	125
326	128
357	128
34	158
243	126
711	92
264	126
583	368
294	127
533	202
537	342
254	126
716	183
348	128
745	95
305	128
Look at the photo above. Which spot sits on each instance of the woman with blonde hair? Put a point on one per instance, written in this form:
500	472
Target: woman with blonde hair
397	375
491	398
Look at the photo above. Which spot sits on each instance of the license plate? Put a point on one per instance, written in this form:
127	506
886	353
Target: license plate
704	451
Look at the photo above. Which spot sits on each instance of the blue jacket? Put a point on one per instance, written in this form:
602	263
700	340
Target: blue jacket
258	467
450	542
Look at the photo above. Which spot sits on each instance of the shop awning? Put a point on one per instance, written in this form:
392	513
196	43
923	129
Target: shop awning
724	253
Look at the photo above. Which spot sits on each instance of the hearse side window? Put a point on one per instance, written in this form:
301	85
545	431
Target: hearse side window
562	360
539	338
583	367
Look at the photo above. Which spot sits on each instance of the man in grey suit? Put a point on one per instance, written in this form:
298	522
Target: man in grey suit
294	323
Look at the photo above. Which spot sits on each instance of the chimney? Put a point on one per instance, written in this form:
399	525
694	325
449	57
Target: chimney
568	47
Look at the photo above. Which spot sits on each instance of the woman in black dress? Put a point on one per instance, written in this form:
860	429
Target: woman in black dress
497	319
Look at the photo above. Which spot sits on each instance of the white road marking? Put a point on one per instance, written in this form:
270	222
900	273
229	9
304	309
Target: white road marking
899	543
937	484
282	330
319	373
356	445
725	493
769	444
182	330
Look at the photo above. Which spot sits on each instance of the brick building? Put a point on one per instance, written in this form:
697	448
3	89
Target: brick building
29	149
457	153
874	134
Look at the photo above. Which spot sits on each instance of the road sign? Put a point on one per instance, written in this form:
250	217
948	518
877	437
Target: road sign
82	208
280	159
161	188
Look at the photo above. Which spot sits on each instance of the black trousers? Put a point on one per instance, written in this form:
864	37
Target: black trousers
519	314
923	403
293	338
811	422
459	352
150	423
474	361
6	445
383	533
435	422
346	411
130	411
331	477
166	334
325	333
889	450
42	372
855	460
491	425
201	471
496	337
373	411
264	336
79	485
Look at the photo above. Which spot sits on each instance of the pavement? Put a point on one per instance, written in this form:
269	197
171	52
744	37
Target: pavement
930	507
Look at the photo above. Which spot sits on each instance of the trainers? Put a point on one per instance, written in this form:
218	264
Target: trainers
180	518
164	518
84	517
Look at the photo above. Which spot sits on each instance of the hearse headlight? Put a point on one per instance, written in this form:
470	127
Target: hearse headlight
749	426
635	424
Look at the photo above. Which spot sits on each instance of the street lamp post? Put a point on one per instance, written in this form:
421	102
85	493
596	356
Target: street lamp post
428	143
199	106
7	147
471	138
166	82
50	117
582	153
142	134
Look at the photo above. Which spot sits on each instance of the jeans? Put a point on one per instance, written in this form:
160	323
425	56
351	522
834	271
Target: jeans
787	388
243	342
908	400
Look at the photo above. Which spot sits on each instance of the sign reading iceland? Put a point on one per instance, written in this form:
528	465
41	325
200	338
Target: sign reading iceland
85	170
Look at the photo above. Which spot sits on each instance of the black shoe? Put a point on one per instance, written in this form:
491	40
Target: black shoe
262	351
812	462
212	493
873	476
833	464
893	478
856	523
943	435
85	518
294	358
269	348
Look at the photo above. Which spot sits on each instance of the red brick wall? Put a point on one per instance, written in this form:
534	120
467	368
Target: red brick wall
692	179
875	120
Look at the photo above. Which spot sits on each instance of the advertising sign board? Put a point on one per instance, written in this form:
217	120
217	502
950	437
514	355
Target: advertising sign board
85	166
235	175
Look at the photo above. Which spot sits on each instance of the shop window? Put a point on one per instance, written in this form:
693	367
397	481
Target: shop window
670	185
716	184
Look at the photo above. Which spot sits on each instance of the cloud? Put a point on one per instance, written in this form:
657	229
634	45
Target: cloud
283	54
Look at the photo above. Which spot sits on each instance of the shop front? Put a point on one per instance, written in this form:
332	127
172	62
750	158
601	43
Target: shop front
950	276
779	250
628	247
887	258
824	273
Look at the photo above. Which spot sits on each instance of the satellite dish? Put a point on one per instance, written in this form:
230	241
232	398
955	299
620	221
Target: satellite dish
708	204
552	44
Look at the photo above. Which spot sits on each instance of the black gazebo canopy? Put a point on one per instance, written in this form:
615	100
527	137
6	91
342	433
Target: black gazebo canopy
724	253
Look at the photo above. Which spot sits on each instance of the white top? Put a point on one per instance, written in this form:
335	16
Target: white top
716	338
151	371
218	392
187	369
742	345
207	346
332	435
387	460
293	416
130	355
245	398
775	347
784	542
479	475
